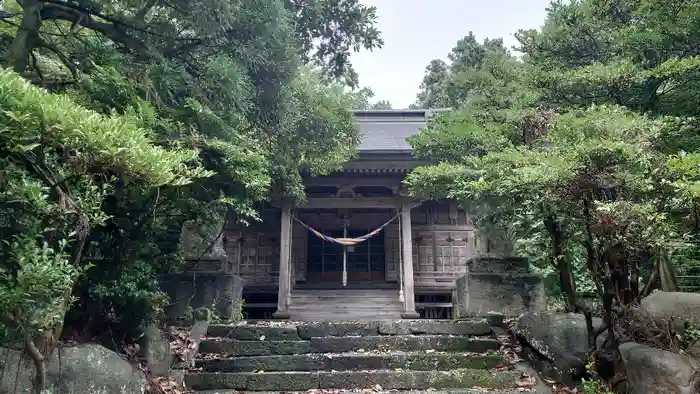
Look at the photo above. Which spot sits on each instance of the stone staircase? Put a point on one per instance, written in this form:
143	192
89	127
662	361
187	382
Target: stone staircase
381	356
345	304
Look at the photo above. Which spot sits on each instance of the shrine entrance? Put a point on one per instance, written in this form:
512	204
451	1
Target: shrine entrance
365	261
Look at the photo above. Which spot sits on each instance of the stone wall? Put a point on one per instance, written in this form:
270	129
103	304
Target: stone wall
497	284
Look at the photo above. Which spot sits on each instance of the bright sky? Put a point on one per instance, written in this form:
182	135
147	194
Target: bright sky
418	31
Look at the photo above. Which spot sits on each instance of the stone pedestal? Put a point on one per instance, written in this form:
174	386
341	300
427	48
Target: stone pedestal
498	284
207	279
220	291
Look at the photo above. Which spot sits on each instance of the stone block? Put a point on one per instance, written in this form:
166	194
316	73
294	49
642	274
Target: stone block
386	379
202	242
402	344
500	285
253	348
337	329
155	350
485	264
191	290
253	333
417	361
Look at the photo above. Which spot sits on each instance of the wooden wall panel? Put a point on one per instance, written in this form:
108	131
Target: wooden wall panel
300	236
259	259
392	251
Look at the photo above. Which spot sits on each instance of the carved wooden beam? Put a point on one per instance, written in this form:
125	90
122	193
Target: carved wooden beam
355	202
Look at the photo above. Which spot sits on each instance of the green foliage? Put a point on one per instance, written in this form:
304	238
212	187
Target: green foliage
145	115
32	120
33	297
547	142
586	149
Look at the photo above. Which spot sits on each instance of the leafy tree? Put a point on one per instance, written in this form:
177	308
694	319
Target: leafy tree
59	161
586	149
433	89
382	104
167	111
362	99
477	72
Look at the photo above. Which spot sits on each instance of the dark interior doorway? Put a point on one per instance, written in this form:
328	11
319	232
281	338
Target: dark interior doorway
366	260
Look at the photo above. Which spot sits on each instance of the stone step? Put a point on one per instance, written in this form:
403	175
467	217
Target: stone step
306	330
421	361
373	391
405	343
386	379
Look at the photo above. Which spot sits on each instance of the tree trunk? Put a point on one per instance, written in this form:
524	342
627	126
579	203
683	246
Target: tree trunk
39	364
23	43
566	275
591	254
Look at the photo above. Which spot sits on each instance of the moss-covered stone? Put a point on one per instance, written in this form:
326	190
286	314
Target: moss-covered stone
351	361
402	344
435	327
253	348
278	381
337	329
253	332
387	379
302	362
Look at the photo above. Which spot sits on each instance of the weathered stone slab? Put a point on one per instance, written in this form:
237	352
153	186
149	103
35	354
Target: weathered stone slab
354	391
337	329
274	381
508	292
253	332
253	348
482	264
191	290
387	379
434	327
425	361
293	362
402	344
392	327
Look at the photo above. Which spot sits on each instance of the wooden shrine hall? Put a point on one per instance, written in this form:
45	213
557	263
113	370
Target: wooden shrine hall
295	267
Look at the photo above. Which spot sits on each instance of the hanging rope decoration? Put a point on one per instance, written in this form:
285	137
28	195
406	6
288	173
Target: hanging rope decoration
347	241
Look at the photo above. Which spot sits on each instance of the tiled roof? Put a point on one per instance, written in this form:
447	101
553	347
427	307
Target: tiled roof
387	130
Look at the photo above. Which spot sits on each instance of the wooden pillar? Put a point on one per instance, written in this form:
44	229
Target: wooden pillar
407	257
285	263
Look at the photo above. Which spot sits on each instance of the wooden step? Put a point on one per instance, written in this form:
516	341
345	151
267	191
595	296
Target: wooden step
345	304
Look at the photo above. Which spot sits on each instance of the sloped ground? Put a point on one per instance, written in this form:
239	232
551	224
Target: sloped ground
334	357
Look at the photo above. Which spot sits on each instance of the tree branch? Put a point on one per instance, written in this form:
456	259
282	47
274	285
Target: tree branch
115	30
61	56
